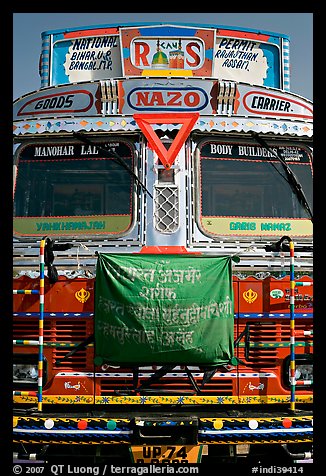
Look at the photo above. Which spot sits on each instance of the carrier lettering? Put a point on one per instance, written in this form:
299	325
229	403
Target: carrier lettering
270	104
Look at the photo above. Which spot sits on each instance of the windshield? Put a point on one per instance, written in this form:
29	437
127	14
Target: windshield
246	181
60	180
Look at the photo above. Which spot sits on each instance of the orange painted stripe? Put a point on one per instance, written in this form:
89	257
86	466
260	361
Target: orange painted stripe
100	31
243	34
167	250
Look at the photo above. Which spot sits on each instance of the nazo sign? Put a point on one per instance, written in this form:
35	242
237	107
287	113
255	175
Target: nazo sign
191	95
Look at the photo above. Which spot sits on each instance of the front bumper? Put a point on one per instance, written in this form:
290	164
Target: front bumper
174	428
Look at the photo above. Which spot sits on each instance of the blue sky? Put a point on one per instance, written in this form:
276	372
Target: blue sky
27	29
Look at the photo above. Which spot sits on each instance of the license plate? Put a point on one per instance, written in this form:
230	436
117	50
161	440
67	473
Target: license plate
166	454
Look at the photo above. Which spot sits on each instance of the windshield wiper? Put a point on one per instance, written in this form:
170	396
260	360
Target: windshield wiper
111	153
290	176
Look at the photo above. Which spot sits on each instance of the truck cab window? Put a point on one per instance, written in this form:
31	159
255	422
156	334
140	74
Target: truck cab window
55	181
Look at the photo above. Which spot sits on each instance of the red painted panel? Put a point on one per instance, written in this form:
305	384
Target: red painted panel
66	295
250	295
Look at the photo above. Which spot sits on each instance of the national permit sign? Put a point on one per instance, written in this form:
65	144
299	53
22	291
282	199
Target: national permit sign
164	309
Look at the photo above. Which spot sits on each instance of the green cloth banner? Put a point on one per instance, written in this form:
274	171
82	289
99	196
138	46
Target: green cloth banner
162	309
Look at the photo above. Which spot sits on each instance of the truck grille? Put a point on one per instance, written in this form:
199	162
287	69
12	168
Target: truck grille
176	383
58	331
166	209
273	333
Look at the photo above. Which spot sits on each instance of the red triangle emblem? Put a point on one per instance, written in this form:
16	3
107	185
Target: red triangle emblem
145	121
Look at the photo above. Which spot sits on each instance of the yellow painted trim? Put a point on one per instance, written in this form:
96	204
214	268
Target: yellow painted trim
243	226
113	224
163	400
72	442
255	442
167	72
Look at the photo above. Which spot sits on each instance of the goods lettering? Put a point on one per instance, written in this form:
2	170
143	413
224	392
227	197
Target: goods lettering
56	102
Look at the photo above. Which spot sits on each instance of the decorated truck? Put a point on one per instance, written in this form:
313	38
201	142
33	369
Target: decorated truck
163	248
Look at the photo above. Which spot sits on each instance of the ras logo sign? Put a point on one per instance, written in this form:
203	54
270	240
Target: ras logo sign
167	53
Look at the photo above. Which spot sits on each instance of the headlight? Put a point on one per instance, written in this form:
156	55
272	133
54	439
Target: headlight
25	371
303	371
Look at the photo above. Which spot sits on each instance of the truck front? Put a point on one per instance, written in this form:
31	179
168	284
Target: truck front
163	248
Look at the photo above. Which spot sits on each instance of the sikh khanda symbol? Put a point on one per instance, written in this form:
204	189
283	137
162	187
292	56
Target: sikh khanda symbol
250	296
82	295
